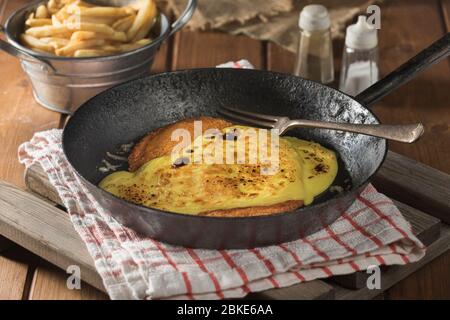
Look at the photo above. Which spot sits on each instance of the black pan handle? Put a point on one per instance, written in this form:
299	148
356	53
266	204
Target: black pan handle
434	53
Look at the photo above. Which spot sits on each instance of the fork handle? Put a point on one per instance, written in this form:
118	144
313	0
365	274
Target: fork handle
403	133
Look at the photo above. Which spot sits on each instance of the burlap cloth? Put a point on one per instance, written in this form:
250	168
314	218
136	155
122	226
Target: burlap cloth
272	20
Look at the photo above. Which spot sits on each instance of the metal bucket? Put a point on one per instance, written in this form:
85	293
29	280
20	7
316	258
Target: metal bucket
62	84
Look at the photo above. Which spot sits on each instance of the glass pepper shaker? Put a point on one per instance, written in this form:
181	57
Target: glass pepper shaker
315	50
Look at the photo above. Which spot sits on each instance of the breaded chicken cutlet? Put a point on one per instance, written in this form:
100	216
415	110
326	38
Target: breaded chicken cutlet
158	143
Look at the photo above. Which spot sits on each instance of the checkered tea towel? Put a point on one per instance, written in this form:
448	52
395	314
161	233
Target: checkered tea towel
371	232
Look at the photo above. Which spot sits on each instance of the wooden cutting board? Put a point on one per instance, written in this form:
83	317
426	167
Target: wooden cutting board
36	221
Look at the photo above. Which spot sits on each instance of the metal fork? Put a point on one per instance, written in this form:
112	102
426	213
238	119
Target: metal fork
403	133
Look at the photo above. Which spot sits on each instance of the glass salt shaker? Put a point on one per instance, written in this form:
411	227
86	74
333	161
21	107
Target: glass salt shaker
315	50
360	58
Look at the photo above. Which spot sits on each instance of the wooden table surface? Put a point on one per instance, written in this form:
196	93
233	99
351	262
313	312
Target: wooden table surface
407	27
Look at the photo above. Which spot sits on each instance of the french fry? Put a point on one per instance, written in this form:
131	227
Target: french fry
52	6
136	5
110	48
82	3
46	31
147	24
144	30
90	53
95	27
56	22
56	42
73	46
62	14
38	22
98	20
42	12
147	11
119	36
134	45
100	11
33	42
40	51
143	42
83	35
86	35
64	2
124	24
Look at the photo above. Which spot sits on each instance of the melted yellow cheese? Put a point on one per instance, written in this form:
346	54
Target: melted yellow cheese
186	184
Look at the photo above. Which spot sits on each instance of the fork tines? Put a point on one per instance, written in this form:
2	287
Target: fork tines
260	120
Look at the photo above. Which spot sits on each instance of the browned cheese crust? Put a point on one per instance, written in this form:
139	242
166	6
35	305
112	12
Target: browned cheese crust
158	143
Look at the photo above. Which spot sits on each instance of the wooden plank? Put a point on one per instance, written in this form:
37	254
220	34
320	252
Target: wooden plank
280	60
445	7
37	180
20	117
425	227
208	49
162	61
23	257
425	283
392	275
49	283
408	27
416	184
44	230
13	276
317	290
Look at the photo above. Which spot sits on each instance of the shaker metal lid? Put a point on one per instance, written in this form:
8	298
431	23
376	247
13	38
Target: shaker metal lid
314	17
